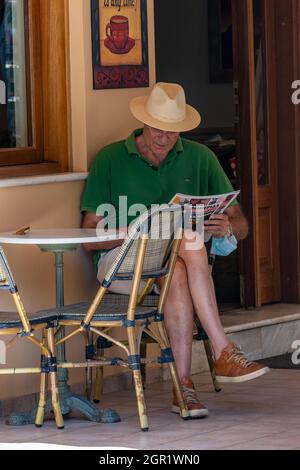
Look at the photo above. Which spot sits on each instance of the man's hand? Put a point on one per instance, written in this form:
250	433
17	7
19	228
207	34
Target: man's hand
218	225
233	219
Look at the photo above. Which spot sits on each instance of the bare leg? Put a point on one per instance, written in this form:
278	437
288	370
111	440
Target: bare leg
179	314
203	295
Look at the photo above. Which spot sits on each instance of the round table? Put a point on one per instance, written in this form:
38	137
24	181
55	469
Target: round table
59	241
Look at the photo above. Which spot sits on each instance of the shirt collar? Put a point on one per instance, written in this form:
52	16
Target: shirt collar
130	144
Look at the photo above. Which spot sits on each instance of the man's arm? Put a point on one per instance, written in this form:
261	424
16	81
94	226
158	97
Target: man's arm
219	225
91	220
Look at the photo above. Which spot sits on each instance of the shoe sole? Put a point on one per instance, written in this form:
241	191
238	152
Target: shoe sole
193	413
243	378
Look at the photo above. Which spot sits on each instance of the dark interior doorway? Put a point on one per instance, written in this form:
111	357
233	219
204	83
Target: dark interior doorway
194	49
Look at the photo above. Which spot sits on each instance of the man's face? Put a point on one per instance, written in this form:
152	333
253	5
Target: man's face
160	142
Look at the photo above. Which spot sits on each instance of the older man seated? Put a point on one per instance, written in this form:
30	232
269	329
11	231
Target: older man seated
148	168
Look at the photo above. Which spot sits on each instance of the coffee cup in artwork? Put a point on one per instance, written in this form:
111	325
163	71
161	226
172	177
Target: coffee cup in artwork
117	31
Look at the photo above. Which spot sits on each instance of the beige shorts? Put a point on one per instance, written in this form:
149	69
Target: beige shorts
117	287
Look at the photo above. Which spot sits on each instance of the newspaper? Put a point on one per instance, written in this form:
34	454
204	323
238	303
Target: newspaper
215	204
207	206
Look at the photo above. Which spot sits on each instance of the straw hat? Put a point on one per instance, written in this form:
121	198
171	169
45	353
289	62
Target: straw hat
166	109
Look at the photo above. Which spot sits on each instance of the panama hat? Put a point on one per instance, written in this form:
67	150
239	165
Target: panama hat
166	109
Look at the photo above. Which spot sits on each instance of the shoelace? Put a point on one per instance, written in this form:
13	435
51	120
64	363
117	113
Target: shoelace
190	395
239	357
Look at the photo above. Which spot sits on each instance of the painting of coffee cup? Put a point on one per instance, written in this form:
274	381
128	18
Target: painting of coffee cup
117	31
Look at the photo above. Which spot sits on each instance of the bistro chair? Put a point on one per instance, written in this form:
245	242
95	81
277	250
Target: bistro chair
146	298
142	256
199	334
97	349
20	326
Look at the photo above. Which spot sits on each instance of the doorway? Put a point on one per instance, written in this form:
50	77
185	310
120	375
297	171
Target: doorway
187	36
220	51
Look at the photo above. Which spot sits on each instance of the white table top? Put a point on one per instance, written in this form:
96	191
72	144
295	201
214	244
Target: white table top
60	236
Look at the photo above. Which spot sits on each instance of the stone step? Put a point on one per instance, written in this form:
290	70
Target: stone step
265	332
261	333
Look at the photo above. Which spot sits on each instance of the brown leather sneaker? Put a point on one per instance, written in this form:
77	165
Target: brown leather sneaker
233	366
195	408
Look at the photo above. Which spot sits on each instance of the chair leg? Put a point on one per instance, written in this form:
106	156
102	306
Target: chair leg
88	382
39	419
89	355
209	355
99	379
184	413
143	352
102	345
55	401
54	385
40	413
135	365
98	385
140	400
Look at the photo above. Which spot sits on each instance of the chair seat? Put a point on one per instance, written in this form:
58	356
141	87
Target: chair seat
113	308
108	311
149	300
12	319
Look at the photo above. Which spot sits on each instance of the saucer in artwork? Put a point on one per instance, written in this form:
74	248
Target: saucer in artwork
128	46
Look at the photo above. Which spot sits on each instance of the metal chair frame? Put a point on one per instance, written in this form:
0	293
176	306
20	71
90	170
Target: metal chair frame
24	327
139	258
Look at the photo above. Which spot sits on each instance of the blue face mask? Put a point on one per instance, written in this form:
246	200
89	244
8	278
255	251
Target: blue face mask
223	246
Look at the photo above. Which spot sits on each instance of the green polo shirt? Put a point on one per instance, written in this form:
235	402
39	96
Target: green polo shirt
119	170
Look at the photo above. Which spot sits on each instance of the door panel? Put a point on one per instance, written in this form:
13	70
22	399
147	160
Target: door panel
246	146
265	83
254	70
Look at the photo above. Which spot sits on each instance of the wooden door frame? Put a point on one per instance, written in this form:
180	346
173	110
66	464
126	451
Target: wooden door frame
287	49
246	148
268	194
283	125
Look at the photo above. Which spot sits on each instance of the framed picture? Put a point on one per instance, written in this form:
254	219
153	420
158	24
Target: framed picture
120	44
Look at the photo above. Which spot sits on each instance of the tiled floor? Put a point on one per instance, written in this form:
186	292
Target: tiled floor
261	414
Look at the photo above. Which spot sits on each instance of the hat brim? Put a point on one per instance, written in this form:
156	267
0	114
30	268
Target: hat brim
138	109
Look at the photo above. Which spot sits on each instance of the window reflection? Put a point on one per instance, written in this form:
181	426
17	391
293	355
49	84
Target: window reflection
13	110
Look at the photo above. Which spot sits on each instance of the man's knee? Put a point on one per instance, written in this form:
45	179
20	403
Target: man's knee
193	256
180	268
192	242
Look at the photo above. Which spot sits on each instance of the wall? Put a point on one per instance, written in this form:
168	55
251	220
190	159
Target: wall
51	205
183	57
98	117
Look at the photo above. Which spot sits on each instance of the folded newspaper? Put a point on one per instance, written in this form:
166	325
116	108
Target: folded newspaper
215	204
209	205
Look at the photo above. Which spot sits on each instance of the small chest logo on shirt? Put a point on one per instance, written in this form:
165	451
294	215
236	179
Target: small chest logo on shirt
187	179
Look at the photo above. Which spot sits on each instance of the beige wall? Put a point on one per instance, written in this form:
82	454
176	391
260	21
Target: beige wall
98	117
51	205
